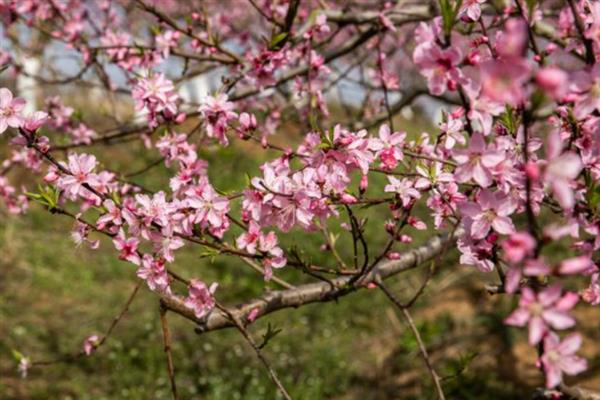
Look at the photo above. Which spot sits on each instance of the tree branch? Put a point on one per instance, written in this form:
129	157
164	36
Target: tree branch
313	292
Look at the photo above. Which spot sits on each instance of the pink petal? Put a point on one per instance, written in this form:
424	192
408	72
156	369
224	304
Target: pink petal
573	365
519	317
570	344
480	228
481	175
503	225
550	294
558	319
537	328
575	265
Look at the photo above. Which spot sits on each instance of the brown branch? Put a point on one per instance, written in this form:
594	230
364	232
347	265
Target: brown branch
313	292
589	47
167	347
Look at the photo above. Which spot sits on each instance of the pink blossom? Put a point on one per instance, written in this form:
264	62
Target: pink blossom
561	170
217	111
453	129
81	167
586	86
10	110
576	265
471	9
113	215
154	209
33	122
268	244
249	240
559	356
24	365
388	147
252	315
127	247
153	271
166	245
475	162
511	42
211	209
591	294
554	81
90	344
80	233
439	66
543	310
492	210
503	81
518	246
532	267
201	297
157	95
403	188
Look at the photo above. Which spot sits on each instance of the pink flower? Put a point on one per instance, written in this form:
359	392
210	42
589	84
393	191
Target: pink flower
268	244
211	209
90	344
80	233
554	81
153	271
249	240
81	167
576	265
10	110
503	81
511	42
586	85
543	310
518	246
439	66
154	209
453	129
165	246
490	211
217	111
252	315
157	94
591	294
112	216
33	122
560	357
561	170
475	162
403	188
471	9
535	267
24	365
201	297
388	147
127	247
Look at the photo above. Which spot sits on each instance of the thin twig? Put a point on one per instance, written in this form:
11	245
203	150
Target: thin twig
167	346
434	376
240	327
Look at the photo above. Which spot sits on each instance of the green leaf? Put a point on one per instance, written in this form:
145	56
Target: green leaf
17	355
269	334
277	41
47	196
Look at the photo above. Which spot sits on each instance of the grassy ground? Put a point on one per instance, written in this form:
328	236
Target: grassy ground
52	296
